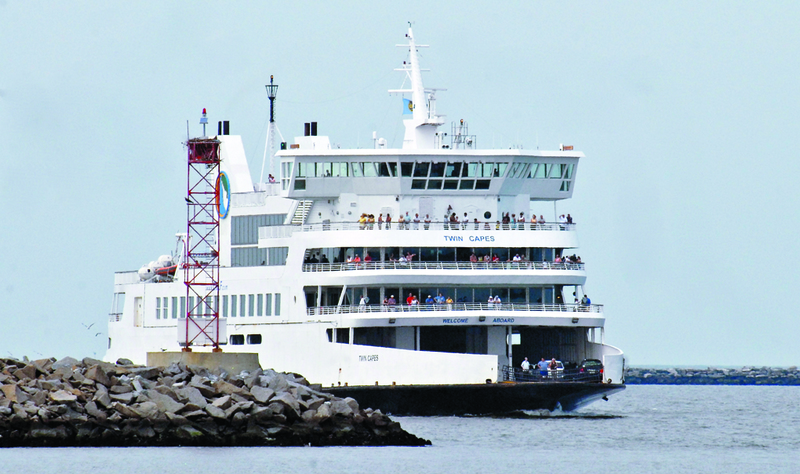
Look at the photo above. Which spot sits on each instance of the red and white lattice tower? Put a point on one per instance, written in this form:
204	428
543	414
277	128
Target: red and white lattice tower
201	262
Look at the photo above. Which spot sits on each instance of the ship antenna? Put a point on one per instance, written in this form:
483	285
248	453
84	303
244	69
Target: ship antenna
269	147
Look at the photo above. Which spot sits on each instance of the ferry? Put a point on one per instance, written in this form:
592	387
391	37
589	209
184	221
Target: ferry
416	279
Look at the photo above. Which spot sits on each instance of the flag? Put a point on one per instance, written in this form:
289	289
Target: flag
408	107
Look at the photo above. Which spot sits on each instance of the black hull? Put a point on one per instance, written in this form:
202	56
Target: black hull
475	399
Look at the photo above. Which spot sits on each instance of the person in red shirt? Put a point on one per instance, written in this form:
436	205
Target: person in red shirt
409	299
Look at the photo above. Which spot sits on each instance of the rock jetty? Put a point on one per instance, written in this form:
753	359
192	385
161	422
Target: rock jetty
713	376
68	402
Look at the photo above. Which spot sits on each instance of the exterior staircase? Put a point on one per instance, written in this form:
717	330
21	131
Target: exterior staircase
301	212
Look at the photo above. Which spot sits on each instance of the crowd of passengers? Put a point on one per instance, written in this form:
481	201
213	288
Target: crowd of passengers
409	258
452	222
494	302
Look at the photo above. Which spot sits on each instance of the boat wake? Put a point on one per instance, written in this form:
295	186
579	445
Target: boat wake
547	414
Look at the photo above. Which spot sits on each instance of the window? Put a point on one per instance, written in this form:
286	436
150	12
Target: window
393	169
437	170
158	307
242	303
564	186
470	171
418	184
254	338
435	184
300	184
406	168
451	184
277	304
174	307
268	303
237	339
421	170
467	184
369	170
224	306
453	170
183	306
233	306
251	305
260	305
358	171
482	184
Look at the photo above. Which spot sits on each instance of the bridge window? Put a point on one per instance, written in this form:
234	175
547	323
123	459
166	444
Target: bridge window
237	339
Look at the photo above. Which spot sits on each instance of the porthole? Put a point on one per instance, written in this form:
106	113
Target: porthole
487	215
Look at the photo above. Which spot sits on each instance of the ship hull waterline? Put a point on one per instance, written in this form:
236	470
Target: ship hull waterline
476	399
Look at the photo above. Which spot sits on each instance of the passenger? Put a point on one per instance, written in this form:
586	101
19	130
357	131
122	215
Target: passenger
464	222
513	222
392	303
371	221
498	303
385	305
362	304
521	221
543	368
533	222
410	298
439	299
453	221
388	221
569	219
416	221
408	221
427	221
486	226
410	257
541	221
367	258
526	366
491	302
380	221
473	258
553	366
401	222
477	224
449	302
429	302
415	304
324	259
362	222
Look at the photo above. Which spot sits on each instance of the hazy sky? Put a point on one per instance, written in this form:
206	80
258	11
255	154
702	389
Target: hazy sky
687	200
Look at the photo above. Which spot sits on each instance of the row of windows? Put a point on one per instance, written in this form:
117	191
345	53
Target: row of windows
433	170
251	305
238	339
256	256
232	306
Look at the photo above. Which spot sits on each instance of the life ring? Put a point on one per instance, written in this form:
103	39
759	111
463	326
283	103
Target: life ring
223	202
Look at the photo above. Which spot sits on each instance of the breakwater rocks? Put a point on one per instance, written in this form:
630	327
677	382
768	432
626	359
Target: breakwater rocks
713	376
68	402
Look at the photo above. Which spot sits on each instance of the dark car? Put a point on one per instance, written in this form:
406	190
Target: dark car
590	370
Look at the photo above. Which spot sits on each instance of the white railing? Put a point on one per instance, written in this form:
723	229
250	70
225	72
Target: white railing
361	266
286	231
422	308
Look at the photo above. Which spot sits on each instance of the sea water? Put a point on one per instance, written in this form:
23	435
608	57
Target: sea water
644	429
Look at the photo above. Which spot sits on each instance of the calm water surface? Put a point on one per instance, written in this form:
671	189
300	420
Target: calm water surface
670	429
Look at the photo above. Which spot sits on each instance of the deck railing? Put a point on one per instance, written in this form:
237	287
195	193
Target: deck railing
475	307
373	265
516	374
272	232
